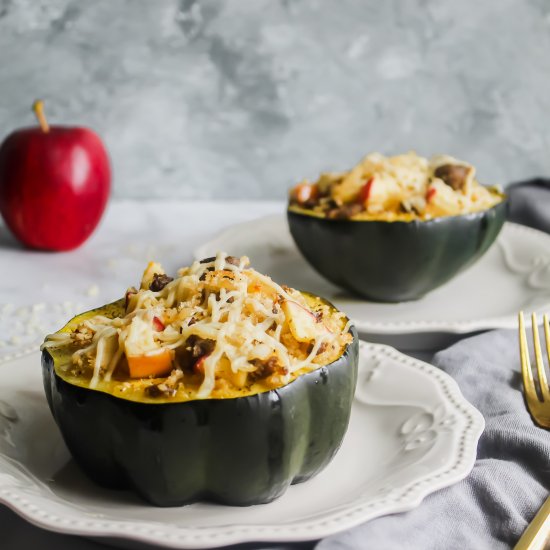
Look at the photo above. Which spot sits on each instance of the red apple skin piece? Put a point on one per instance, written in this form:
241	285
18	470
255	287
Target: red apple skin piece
54	185
303	325
364	193
158	325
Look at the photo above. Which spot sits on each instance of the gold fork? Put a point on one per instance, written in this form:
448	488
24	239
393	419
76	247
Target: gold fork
539	407
538	403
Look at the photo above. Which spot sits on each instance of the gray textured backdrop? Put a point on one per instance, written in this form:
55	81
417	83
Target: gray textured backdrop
240	98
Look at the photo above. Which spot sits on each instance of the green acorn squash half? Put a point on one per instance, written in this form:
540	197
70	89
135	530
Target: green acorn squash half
237	451
394	261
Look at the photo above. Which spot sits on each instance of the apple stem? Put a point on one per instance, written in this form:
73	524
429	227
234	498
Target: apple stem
38	108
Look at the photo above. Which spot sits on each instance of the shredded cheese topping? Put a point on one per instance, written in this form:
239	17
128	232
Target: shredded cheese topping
218	323
402	187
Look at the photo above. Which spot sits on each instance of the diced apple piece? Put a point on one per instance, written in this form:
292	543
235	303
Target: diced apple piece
304	192
442	200
130	293
158	325
140	337
303	325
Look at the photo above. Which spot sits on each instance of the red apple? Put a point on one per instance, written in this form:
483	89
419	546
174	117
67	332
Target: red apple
54	184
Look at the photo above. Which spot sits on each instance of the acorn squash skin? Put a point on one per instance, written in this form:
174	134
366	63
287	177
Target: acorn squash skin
238	451
394	261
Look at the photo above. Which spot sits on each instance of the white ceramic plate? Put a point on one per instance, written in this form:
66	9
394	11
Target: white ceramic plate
411	433
513	275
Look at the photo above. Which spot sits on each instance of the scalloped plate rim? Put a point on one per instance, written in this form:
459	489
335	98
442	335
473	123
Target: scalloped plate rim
172	536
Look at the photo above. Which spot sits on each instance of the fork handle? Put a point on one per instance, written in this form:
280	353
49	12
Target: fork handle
538	531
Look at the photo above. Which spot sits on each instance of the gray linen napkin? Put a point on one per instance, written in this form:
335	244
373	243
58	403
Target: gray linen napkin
511	478
530	203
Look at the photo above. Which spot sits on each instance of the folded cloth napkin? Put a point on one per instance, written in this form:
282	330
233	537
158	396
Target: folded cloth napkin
511	478
530	203
491	508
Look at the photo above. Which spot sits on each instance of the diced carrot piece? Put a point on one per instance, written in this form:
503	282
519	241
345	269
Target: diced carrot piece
303	325
155	364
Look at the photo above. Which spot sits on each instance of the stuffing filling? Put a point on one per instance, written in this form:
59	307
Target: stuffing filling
219	329
399	188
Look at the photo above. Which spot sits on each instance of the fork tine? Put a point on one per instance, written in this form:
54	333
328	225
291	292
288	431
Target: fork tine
538	359
536	345
527	375
542	374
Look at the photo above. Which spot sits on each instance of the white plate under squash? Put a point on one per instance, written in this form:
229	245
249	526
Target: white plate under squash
411	433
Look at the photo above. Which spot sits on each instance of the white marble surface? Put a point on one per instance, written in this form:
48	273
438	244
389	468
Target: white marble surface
221	98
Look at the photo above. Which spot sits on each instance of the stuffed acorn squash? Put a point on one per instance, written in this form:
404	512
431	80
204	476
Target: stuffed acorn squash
394	228
217	385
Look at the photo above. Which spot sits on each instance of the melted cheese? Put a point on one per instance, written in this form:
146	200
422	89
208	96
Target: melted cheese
232	305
